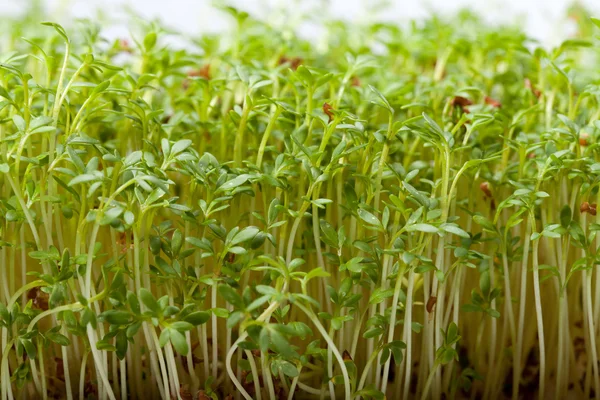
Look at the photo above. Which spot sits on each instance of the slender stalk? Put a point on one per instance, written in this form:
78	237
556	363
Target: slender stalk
539	315
332	346
520	327
429	381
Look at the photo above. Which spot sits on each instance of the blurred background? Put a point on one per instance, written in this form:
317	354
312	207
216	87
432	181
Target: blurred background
544	20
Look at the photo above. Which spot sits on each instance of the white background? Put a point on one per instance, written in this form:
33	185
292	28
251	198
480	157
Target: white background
542	19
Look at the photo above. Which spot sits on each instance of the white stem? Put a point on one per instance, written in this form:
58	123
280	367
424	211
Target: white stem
336	352
98	361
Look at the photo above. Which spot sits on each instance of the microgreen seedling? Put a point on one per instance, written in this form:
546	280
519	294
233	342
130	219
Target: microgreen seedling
255	216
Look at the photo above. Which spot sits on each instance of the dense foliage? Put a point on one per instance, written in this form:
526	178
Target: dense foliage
408	212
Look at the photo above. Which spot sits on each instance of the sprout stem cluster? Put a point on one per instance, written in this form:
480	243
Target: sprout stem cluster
394	213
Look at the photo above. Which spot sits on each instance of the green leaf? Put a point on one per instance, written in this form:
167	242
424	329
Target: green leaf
257	303
104	345
176	242
19	122
484	282
116	317
423	228
368	217
380	294
237	250
317	273
471	308
148	300
263	340
83	179
447	355
220	312
180	146
330	236
267	290
370	392
134	303
289	369
373	332
58	339
383	102
197	318
244	235
273	211
150	41
121	345
29	348
454	229
416	327
304	75
133	329
61	31
110	215
181	326
485	223
165	335
198	243
129	217
281	344
234	183
551	234
354	265
234	318
560	71
229	294
101	87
